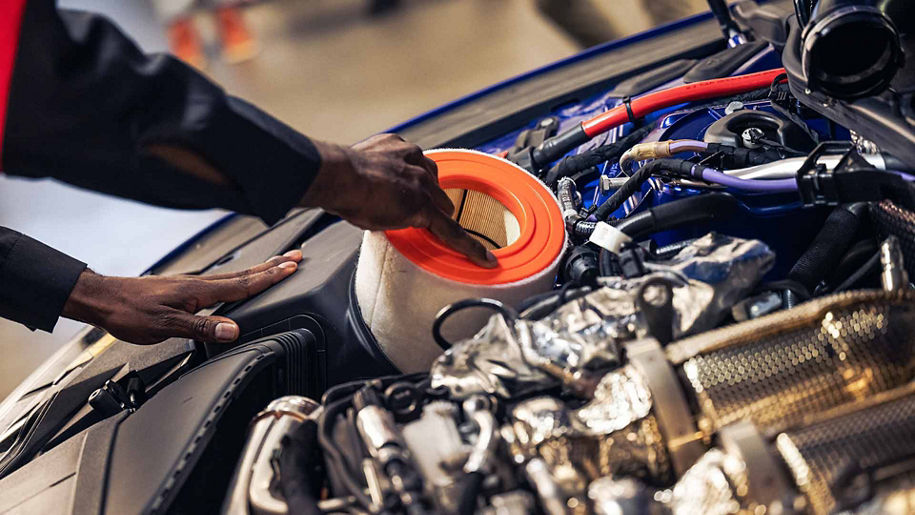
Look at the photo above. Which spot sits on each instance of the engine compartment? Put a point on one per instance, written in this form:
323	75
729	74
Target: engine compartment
732	328
730	331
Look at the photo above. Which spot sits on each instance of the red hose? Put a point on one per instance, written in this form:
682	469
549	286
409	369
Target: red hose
686	93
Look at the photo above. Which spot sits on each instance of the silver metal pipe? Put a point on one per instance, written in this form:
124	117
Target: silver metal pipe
250	490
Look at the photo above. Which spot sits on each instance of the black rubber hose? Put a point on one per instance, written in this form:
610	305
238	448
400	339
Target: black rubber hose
472	486
582	229
691	210
829	245
744	157
698	209
446	312
297	458
634	183
610	152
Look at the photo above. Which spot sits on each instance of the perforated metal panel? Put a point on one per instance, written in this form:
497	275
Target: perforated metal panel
892	220
836	461
776	369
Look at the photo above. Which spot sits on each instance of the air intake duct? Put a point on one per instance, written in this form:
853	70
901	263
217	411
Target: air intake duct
850	48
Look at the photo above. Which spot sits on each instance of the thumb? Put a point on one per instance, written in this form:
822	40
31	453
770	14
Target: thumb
209	329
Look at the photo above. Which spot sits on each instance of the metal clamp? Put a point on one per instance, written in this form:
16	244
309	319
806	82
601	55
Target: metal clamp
684	441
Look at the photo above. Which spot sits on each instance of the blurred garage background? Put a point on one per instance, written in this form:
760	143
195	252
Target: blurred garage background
337	70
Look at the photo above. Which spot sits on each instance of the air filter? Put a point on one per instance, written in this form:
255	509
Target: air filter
405	277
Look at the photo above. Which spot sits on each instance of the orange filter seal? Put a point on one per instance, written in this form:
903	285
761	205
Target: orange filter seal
541	232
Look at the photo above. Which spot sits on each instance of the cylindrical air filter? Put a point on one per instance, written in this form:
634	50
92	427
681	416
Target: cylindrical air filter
404	277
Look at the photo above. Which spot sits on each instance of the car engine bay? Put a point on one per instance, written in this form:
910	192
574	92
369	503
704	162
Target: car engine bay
731	328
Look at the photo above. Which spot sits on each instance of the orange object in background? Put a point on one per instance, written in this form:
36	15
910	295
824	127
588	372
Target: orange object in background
238	44
185	42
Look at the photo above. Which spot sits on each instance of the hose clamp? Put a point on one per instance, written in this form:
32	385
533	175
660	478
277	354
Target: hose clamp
684	441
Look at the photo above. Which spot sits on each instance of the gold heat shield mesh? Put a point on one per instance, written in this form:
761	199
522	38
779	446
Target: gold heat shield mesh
776	369
484	218
829	458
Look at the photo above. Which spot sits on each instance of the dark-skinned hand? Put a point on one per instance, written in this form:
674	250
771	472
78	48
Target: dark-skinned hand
387	183
382	183
146	310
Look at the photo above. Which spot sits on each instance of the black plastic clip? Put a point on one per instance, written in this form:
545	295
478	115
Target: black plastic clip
853	180
627	101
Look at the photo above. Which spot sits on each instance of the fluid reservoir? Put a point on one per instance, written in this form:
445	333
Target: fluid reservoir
404	277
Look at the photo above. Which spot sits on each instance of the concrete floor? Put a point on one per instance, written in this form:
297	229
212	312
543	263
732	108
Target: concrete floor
327	70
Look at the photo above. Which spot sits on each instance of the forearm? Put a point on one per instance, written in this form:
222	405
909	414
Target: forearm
85	106
35	280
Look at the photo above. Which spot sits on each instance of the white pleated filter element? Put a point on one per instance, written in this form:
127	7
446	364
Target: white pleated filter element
399	300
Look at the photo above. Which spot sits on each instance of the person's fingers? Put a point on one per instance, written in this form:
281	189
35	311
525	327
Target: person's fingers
453	235
442	201
242	287
293	256
210	329
417	158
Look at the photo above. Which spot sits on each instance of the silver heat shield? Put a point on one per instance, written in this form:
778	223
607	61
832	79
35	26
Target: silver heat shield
580	341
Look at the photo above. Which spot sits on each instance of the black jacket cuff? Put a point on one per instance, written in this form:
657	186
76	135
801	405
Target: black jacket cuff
35	280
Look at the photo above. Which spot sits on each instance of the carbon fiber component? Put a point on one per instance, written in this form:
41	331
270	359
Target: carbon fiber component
892	220
775	369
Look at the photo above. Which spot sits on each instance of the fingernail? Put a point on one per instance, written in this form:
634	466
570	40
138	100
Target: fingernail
226	331
294	254
288	264
491	258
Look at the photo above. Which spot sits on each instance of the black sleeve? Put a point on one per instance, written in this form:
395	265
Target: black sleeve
35	280
84	106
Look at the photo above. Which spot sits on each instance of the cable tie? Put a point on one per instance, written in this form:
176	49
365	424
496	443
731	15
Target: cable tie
627	101
608	237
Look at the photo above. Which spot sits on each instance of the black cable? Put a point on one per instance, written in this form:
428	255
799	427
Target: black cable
669	251
720	9
507	312
795	287
333	456
860	273
634	183
582	229
853	259
739	157
609	152
802	10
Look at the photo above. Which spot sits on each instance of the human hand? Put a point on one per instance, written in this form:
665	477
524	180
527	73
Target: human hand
146	310
387	183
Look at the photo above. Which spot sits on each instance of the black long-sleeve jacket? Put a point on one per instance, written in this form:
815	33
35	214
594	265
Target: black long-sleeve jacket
79	102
